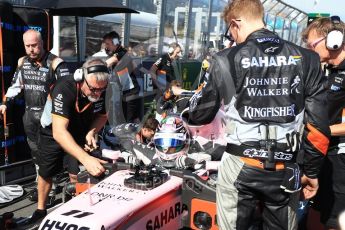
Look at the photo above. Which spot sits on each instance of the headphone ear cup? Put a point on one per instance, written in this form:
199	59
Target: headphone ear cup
116	41
334	40
78	75
171	50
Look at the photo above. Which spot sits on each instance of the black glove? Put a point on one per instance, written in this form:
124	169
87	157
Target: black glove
120	52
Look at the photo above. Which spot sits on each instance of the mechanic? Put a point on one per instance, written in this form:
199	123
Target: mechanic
122	66
70	121
162	70
36	73
325	36
269	87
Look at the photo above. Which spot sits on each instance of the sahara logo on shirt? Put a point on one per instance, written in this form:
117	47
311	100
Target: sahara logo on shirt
269	61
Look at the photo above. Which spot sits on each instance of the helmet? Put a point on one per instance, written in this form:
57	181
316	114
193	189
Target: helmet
171	140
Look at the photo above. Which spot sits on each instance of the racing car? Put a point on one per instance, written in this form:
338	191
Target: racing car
171	190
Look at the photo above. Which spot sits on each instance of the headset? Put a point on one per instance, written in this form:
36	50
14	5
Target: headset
335	37
172	47
116	37
81	72
116	41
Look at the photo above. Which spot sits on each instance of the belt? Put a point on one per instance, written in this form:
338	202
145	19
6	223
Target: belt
259	164
251	154
282	147
259	153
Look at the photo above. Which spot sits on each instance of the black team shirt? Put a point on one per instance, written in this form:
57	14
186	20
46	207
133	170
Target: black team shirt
68	102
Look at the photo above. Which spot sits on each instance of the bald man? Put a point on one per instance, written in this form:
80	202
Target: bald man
36	72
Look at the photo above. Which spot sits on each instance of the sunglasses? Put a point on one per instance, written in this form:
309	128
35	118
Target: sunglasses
313	44
227	35
94	89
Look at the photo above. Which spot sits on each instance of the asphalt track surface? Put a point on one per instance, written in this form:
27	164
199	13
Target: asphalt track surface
23	207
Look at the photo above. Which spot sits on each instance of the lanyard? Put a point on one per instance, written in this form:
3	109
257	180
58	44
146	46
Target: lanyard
77	102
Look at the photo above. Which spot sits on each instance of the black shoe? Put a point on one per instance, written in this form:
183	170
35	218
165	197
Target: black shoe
35	220
33	195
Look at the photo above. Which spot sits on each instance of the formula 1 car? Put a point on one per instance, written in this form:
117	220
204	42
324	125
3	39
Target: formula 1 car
136	198
143	196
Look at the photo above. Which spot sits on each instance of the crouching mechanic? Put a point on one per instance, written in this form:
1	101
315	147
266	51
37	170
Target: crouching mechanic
71	119
269	87
121	137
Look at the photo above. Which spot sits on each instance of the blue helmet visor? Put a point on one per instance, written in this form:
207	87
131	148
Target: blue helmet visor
168	142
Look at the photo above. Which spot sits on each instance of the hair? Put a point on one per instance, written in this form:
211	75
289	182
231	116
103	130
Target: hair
93	61
151	123
32	31
322	26
248	9
111	35
174	45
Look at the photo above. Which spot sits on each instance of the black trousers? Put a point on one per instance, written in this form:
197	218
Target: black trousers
32	124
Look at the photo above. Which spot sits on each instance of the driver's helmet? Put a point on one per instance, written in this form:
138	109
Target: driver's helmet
171	140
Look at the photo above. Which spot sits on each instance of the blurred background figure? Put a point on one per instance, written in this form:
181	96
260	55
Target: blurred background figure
122	71
162	70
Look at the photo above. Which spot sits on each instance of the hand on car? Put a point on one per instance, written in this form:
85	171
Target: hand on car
93	165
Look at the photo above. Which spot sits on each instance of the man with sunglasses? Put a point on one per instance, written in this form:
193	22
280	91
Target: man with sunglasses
269	87
228	40
325	36
70	121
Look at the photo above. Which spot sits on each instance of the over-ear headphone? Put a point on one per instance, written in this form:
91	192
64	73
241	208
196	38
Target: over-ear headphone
81	72
116	41
115	37
335	37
